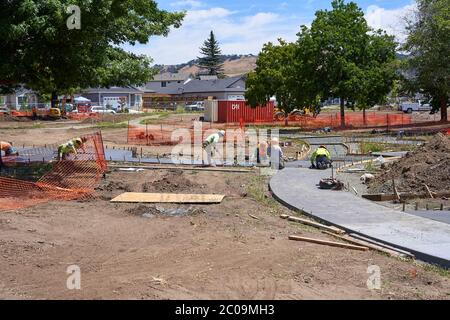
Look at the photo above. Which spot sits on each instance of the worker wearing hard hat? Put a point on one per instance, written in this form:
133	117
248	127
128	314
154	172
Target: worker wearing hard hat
209	145
320	159
276	154
69	147
8	149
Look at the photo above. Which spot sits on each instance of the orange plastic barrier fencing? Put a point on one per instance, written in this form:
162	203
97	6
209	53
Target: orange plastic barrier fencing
352	120
74	178
168	135
82	116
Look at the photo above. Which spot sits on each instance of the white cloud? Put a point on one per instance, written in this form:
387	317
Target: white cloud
390	20
187	3
236	34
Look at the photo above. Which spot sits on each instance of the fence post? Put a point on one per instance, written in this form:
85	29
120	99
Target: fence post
387	122
128	130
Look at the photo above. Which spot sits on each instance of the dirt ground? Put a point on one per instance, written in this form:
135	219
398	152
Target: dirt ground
428	165
135	251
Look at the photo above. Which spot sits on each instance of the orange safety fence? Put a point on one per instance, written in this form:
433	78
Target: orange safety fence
352	120
167	135
73	178
15	113
82	116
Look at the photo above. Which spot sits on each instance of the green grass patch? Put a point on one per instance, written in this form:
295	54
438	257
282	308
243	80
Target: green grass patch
257	188
367	147
436	269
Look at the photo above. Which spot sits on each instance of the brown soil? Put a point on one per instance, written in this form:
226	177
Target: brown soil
429	164
173	181
136	251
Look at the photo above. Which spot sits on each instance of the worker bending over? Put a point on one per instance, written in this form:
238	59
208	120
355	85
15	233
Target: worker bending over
71	146
276	154
8	149
209	145
320	159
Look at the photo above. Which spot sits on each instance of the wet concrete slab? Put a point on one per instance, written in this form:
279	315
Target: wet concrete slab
427	239
437	215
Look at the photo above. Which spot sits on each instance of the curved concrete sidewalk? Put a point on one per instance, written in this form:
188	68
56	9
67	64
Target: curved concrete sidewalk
428	240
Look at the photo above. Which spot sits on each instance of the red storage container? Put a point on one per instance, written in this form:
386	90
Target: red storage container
237	111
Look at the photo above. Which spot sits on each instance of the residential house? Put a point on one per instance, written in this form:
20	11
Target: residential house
113	97
22	98
232	88
167	78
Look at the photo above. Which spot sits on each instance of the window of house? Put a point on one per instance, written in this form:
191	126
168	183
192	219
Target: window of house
163	84
2	100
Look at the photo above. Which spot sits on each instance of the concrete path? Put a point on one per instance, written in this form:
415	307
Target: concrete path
427	239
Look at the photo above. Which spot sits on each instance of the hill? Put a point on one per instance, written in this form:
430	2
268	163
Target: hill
233	65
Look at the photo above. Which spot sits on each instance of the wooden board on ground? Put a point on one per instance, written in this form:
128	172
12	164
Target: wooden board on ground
388	197
186	167
368	244
316	224
136	197
329	243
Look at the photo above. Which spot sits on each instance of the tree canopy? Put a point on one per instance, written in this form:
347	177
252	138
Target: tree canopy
41	52
272	77
428	43
349	60
338	56
211	56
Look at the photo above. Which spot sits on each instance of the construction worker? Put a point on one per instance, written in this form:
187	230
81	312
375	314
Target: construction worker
209	145
276	154
320	159
71	146
8	149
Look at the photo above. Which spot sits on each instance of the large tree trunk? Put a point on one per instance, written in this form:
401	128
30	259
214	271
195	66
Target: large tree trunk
342	113
54	101
443	103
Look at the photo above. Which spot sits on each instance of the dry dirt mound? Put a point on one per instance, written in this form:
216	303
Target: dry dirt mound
113	186
429	164
173	181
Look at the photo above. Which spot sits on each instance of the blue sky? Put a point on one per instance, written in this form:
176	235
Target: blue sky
243	26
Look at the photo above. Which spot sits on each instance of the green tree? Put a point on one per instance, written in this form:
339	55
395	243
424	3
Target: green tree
40	51
211	59
273	77
428	43
378	72
345	58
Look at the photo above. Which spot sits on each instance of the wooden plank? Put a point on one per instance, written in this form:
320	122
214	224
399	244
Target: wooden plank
135	197
403	195
329	243
429	191
397	196
316	224
223	169
379	197
372	246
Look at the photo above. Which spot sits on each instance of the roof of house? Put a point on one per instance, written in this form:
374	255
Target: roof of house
170	88
167	76
127	89
232	84
217	85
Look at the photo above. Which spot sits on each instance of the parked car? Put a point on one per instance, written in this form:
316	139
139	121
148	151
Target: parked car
409	107
4	110
195	106
100	109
